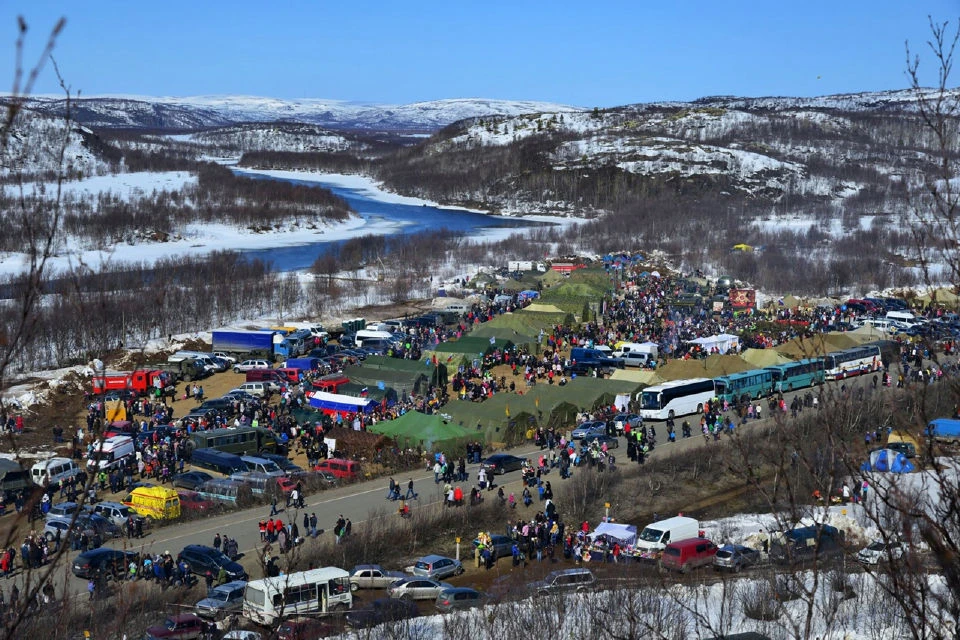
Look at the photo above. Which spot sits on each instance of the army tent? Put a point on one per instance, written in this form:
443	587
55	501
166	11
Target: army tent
414	428
645	377
761	358
405	376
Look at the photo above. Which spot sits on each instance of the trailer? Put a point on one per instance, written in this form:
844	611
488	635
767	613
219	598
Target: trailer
272	345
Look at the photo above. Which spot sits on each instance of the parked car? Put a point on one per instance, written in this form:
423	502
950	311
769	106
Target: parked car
622	419
115	512
500	463
437	567
735	557
248	365
602	439
240	394
191	479
65	510
500	545
805	543
185	626
194	502
879	551
416	588
460	598
373	576
202	559
380	611
111	563
304	629
590	428
689	554
564	580
284	463
222	600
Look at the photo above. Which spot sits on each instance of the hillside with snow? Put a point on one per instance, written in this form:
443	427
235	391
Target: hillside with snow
190	113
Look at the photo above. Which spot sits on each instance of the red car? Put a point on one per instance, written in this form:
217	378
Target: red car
304	629
185	626
193	501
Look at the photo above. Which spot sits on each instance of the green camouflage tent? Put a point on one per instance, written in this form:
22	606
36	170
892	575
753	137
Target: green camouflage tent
414	428
406	376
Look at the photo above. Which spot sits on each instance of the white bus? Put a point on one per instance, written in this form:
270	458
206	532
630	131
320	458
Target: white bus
852	362
317	591
676	398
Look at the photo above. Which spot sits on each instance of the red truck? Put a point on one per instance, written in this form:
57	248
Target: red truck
142	381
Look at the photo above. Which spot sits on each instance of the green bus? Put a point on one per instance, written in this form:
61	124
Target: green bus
797	375
241	441
755	383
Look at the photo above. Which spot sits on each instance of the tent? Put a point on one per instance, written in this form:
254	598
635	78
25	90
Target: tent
641	376
887	460
405	376
338	403
761	358
626	534
724	342
414	428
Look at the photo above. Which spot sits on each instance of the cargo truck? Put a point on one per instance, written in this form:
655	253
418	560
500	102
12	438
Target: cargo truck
945	429
272	345
187	370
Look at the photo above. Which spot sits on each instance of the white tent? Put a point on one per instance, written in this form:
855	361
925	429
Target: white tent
723	342
625	533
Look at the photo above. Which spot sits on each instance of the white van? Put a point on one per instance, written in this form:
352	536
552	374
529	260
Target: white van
657	535
262	465
54	471
649	349
902	316
259	389
111	453
367	334
457	307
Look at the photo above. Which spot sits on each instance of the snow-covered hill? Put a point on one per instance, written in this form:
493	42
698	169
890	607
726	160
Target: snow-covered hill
142	112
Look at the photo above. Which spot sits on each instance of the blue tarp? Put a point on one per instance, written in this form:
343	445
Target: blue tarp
338	403
530	293
887	460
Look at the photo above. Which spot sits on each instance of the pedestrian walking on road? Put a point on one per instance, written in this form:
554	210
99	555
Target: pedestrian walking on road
411	494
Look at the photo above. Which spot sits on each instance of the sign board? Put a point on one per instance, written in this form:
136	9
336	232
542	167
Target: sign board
743	298
331	444
717	307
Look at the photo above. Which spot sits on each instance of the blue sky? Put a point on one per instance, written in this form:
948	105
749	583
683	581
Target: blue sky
580	53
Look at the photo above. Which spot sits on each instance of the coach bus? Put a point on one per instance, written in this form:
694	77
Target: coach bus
851	362
311	592
755	383
797	375
676	398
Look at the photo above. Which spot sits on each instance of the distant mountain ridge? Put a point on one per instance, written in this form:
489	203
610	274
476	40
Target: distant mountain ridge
198	112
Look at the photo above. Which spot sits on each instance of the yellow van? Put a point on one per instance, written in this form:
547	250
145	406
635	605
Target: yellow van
158	503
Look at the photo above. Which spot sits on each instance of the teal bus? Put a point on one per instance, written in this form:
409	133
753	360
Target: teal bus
797	375
755	383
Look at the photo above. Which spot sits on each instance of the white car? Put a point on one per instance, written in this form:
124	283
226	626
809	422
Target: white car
879	551
417	588
249	365
223	355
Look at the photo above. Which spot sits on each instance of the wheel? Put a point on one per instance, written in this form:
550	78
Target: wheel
187	377
459	571
406	597
236	369
354	587
737	568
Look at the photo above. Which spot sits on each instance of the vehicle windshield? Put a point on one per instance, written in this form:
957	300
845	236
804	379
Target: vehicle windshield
651	535
253	596
721	387
876	546
724	554
650	400
171	625
218	594
422	565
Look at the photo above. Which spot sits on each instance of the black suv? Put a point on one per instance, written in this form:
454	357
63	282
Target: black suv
103	561
204	559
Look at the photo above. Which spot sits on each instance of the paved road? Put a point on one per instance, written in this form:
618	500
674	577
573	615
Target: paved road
362	503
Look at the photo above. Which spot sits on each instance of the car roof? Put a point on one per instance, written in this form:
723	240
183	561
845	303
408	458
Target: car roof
433	558
459	590
229	586
689	542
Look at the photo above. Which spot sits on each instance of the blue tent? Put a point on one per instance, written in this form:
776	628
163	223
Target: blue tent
530	293
887	460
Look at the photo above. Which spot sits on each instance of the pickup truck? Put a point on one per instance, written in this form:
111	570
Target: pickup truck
373	576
